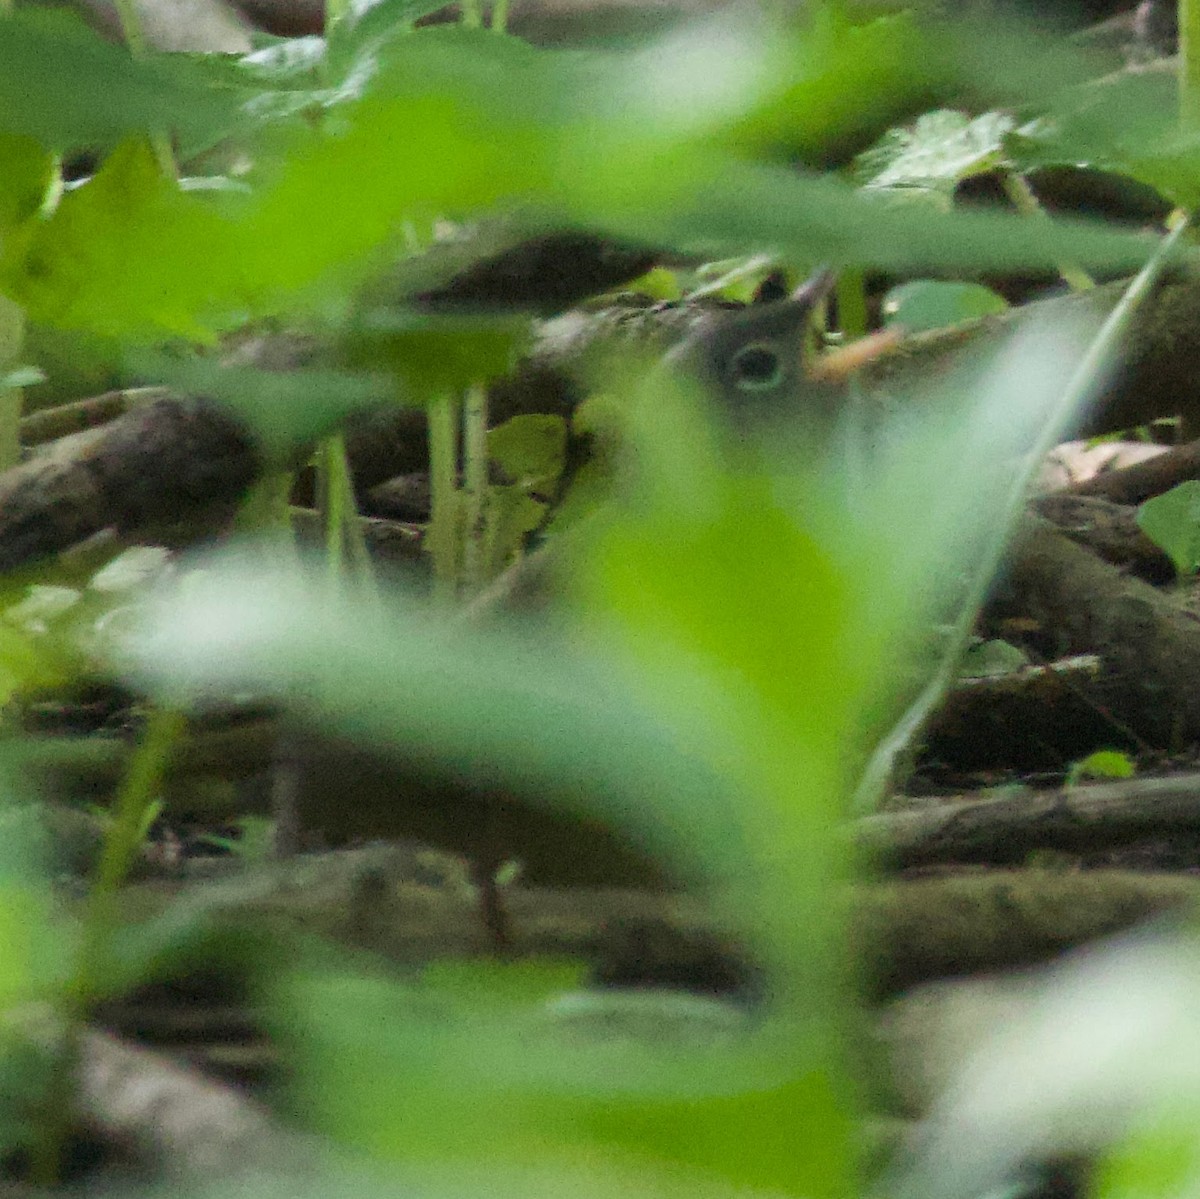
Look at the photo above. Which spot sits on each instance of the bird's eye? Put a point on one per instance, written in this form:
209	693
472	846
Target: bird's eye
756	367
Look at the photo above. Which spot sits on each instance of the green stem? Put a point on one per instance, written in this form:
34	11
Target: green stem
335	10
331	500
852	303
264	511
500	16
1189	64
12	338
472	14
135	38
132	810
53	1130
442	537
475	486
344	539
131	27
137	793
1022	198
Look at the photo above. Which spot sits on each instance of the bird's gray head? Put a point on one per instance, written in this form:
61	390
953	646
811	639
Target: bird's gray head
753	358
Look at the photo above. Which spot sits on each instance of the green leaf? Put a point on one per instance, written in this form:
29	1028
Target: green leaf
1172	522
368	32
482	988
1160	1158
849	81
531	450
64	86
429	355
1103	764
941	150
1125	123
500	710
291	62
672	197
287	412
512	515
128	255
931	304
480	1072
990	659
26	172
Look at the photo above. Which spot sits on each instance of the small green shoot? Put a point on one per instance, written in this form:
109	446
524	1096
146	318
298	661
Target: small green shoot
1103	764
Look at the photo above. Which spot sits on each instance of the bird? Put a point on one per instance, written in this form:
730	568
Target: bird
327	790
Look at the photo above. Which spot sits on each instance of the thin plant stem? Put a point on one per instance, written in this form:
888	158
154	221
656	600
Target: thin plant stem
48	1146
442	537
1022	198
12	339
135	38
472	14
500	16
264	511
851	304
475	486
345	544
133	809
1189	64
331	501
335	11
137	793
131	27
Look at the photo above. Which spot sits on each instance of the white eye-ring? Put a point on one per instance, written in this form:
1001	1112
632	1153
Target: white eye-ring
756	367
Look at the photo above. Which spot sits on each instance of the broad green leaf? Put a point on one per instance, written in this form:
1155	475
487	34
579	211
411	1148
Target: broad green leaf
342	195
483	1076
290	62
685	196
1160	1159
286	412
26	170
128	255
364	35
536	718
1172	522
932	304
1125	123
512	515
65	86
429	355
841	79
941	150
530	449
846	83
